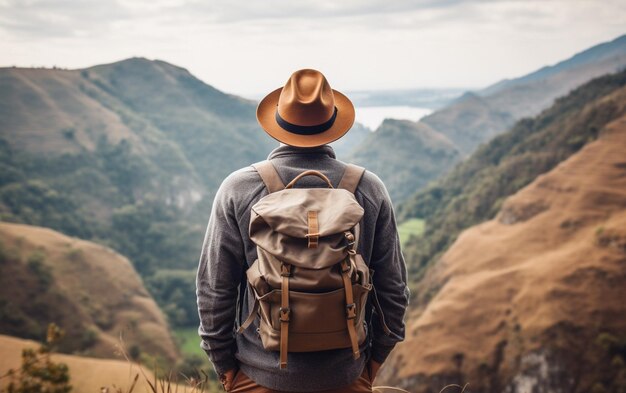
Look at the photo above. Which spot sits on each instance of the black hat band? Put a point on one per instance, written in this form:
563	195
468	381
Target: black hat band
306	130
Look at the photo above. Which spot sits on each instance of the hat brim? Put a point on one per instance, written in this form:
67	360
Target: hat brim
266	116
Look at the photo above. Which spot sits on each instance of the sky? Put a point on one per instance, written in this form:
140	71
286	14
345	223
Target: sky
251	47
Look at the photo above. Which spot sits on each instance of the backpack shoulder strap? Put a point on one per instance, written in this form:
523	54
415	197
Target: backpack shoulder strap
269	176
351	177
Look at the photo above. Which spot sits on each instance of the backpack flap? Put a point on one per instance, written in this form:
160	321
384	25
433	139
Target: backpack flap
280	225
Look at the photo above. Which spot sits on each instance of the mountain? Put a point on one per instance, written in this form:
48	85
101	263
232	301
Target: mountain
403	170
194	134
533	299
87	289
127	154
477	117
473	192
470	121
348	143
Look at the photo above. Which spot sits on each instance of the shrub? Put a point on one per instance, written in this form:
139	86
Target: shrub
88	338
37	265
38	373
134	352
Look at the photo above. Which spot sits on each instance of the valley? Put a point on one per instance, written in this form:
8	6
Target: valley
509	201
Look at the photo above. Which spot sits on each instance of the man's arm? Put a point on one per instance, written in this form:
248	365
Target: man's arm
218	278
390	281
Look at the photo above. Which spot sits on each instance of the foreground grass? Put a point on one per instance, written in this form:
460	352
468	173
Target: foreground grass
412	227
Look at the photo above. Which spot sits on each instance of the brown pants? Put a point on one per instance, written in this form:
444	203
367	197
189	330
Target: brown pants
243	384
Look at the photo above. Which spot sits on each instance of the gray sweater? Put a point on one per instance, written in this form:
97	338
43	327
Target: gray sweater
228	251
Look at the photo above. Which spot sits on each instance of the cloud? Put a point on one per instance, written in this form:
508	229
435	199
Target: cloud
92	18
60	18
247	46
229	11
69	18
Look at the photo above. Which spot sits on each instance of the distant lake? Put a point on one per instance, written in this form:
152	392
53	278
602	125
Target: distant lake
373	116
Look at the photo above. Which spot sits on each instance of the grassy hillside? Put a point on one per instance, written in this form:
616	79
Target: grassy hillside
410	228
476	118
216	132
90	374
403	170
533	300
474	191
469	121
87	289
127	154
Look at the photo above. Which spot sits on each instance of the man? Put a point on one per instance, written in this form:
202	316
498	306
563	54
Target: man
305	115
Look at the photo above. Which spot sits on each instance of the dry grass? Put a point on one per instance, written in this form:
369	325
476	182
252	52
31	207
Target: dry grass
96	289
106	375
58	99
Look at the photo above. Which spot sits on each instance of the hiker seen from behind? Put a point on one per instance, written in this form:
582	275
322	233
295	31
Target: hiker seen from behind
301	284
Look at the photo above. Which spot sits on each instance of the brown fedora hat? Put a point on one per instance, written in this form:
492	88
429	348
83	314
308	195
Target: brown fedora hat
306	112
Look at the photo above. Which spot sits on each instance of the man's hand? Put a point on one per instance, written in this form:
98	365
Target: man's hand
227	379
374	367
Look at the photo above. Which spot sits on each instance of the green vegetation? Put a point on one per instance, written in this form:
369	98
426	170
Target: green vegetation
42	272
38	373
173	288
610	366
61	192
136	170
410	228
475	190
22	320
194	358
189	341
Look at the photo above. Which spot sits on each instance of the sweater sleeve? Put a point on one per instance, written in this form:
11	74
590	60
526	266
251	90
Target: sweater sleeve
219	273
390	281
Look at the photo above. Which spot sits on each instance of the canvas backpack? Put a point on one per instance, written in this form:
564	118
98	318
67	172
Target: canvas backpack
309	284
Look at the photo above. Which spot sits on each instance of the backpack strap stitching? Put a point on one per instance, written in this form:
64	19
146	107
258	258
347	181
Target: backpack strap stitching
351	177
269	175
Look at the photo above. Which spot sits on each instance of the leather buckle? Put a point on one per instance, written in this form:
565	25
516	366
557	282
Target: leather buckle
284	314
351	310
285	270
349	239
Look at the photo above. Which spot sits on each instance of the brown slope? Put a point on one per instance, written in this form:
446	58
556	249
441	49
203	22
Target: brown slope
92	375
38	106
86	374
86	288
522	299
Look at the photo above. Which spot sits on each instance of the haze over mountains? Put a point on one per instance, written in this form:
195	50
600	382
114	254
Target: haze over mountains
476	117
